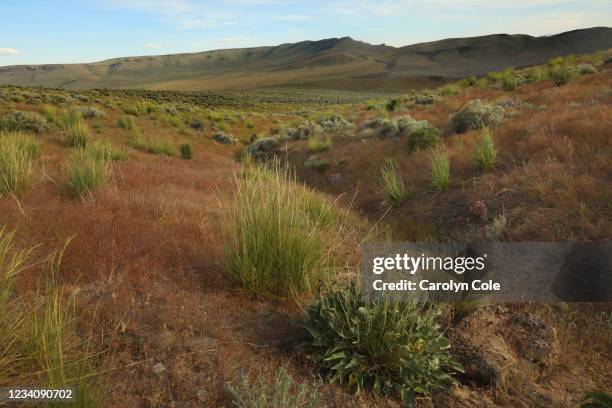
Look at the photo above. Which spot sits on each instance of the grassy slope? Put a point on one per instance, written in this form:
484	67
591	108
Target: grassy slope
310	64
144	253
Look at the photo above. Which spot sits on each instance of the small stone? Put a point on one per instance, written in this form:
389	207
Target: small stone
159	368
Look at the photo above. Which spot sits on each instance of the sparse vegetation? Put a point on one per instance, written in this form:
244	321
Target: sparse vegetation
281	392
391	348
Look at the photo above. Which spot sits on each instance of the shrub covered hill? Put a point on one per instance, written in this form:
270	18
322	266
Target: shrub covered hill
200	249
335	63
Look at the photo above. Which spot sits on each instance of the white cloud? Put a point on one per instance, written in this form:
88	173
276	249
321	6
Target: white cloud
153	45
8	51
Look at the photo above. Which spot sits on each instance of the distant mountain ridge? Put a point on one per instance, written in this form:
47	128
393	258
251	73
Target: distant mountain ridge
333	63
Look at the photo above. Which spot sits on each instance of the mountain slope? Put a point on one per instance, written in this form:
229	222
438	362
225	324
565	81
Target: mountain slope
335	63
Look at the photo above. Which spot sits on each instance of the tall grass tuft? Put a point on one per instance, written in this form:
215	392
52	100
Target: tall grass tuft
392	183
77	134
485	154
17	153
107	151
86	172
274	242
186	151
440	169
39	345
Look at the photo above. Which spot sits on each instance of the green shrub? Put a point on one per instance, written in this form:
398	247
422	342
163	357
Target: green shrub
450	90
564	74
68	118
392	183
186	151
272	245
423	138
320	144
391	105
318	164
586	69
91	112
440	169
476	115
485	154
282	392
77	134
17	120
86	172
391	348
17	154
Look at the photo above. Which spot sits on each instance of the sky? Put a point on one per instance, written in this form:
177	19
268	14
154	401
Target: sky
71	31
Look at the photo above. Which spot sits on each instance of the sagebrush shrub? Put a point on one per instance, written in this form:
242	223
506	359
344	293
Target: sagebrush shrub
391	348
476	115
423	138
17	120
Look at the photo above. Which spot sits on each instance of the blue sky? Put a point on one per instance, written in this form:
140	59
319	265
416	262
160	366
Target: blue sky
42	31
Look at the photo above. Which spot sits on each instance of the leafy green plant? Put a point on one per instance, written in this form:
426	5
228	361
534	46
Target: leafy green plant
17	153
391	348
86	172
186	151
392	183
282	392
440	169
486	153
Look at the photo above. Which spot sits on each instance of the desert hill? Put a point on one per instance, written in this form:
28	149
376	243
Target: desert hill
334	63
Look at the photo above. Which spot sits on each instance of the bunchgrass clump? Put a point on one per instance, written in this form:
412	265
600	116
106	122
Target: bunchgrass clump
77	134
281	392
273	245
17	153
186	151
126	122
393	348
440	169
107	151
392	183
87	171
486	153
39	344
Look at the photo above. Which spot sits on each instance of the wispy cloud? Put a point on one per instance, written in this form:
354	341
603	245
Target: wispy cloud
153	46
9	51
